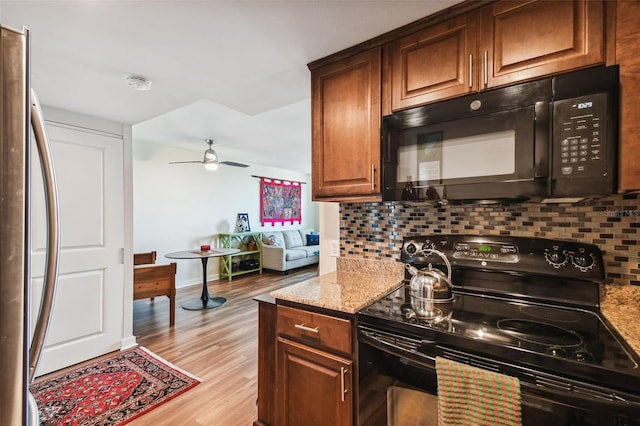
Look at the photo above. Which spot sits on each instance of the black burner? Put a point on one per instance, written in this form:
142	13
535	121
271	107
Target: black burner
540	332
548	314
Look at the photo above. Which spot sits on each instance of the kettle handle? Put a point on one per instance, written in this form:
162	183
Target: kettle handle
427	252
412	269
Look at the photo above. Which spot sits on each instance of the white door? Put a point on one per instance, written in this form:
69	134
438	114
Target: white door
87	315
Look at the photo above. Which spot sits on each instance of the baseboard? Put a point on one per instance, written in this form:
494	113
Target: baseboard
128	342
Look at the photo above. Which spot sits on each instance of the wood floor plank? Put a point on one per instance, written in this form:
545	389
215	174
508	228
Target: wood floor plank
220	346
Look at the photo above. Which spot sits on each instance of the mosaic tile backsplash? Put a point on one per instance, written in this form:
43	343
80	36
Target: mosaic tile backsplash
376	230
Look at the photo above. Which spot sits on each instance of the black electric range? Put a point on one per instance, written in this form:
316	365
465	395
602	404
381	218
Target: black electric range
528	307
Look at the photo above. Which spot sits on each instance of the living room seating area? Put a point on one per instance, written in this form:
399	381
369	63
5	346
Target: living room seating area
289	249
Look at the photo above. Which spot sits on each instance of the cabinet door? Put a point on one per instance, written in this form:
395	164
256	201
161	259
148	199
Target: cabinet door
520	40
435	63
628	57
346	126
314	387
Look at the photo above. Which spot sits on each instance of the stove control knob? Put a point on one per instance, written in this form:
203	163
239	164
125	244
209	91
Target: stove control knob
555	257
411	248
582	355
583	260
428	245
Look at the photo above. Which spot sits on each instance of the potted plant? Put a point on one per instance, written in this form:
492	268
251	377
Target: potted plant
251	244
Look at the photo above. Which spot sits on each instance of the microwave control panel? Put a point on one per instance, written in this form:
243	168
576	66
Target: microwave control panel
580	136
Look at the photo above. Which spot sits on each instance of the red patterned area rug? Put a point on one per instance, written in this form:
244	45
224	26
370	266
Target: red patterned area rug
112	391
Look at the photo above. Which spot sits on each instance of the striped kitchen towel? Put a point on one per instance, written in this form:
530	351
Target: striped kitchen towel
471	396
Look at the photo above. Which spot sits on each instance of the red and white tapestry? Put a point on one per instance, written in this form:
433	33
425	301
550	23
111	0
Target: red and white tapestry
280	201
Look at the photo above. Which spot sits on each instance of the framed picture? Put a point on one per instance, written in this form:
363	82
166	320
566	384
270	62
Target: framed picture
242	223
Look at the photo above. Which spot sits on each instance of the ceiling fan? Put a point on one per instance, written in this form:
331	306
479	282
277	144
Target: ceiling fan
210	159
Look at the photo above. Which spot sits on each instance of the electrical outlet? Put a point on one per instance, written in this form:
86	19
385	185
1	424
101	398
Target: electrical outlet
334	248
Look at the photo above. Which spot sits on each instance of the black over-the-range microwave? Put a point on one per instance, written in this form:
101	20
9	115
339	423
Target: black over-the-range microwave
554	139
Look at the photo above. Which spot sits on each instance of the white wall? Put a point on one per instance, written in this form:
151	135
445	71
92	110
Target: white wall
182	206
330	230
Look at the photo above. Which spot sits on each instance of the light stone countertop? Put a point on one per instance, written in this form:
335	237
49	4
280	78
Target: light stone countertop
356	284
339	291
621	306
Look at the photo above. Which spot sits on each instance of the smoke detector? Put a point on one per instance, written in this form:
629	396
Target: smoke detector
138	82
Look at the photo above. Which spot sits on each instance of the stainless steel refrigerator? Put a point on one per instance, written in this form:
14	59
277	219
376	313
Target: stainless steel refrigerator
20	341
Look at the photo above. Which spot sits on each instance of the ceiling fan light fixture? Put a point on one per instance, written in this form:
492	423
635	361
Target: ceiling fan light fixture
211	160
138	82
210	156
211	165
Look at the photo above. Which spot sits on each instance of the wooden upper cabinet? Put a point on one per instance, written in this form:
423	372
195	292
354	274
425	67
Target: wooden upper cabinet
435	63
500	44
345	99
628	57
521	40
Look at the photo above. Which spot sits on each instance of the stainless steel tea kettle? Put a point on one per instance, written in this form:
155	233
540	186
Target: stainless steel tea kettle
429	286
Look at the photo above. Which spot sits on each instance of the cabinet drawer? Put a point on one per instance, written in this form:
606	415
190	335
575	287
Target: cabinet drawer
317	330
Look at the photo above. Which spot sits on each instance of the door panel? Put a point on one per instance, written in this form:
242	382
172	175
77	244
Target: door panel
88	308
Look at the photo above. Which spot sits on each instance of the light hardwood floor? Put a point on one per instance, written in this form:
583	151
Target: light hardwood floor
220	346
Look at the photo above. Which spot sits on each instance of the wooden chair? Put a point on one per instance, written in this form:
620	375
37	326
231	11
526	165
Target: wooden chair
147	258
156	280
144	258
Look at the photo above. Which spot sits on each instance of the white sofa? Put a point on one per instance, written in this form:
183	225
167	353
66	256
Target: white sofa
286	250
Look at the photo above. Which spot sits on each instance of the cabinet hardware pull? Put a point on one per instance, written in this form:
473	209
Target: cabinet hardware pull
486	68
343	371
470	70
305	328
373	177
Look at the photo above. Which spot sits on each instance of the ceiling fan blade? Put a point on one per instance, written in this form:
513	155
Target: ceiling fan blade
234	164
185	162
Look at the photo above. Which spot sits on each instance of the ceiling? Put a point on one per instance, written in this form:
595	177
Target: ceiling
234	71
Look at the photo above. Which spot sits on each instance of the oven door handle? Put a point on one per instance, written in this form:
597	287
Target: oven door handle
409	351
576	398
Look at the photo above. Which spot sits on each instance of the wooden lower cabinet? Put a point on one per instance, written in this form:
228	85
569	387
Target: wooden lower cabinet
315	388
266	361
306	367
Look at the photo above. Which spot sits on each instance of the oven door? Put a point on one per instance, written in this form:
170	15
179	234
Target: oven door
499	155
398	386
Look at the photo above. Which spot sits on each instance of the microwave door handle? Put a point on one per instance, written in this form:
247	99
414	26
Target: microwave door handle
53	239
542	148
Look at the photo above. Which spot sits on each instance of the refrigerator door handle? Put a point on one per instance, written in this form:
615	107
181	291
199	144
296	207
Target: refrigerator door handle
53	237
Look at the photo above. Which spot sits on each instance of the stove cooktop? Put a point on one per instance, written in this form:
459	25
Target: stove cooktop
564	341
553	332
531	302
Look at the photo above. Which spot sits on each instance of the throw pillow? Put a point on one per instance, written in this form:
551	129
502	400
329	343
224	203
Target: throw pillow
272	240
313	239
